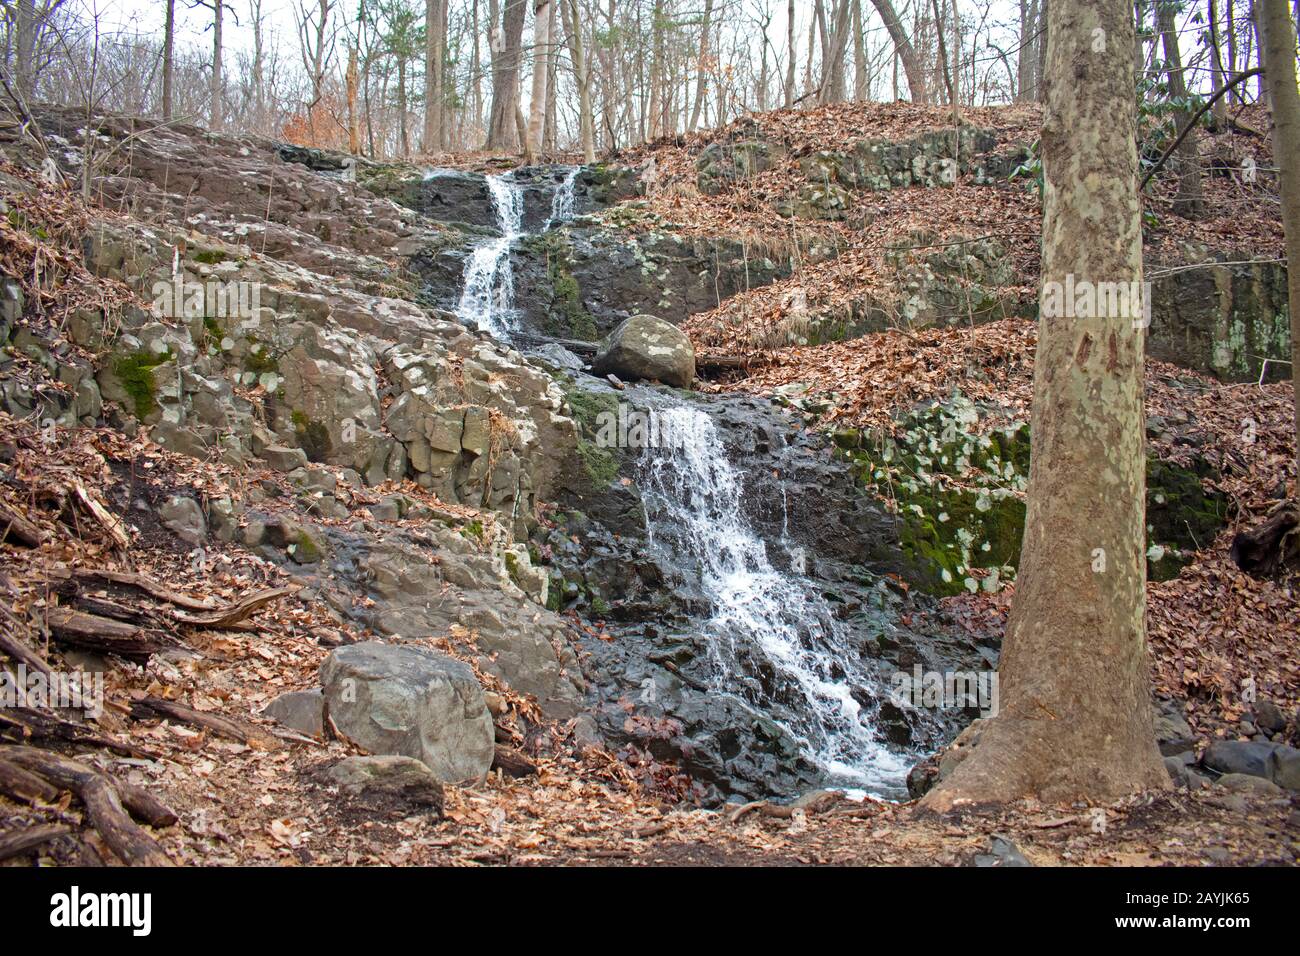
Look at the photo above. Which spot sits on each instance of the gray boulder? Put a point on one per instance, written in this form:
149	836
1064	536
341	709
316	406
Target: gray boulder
184	518
1284	767
300	710
405	700
644	347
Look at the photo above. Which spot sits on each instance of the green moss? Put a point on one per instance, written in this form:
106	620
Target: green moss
259	359
313	436
958	490
306	550
135	373
209	257
473	530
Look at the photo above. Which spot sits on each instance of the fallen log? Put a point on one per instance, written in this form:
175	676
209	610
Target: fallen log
31	724
95	633
17	784
814	801
99	794
1264	550
21	652
234	613
512	763
221	726
144	806
15	529
141	583
16	842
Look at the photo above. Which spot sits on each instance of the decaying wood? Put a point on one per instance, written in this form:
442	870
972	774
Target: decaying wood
144	806
221	726
141	583
18	784
15	529
9	644
234	613
92	632
111	524
512	763
100	796
1264	550
27	723
814	801
16	842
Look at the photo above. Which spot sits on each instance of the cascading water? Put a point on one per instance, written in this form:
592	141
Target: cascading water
563	201
773	639
487	296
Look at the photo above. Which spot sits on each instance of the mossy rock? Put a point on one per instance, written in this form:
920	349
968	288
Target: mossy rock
135	374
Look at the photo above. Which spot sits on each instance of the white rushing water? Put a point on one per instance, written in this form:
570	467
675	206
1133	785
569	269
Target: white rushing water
773	637
488	292
563	200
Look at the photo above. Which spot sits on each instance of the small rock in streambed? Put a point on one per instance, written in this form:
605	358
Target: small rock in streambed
388	781
1001	852
1244	783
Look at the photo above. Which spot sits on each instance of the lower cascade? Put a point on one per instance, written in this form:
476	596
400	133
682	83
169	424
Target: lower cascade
772	638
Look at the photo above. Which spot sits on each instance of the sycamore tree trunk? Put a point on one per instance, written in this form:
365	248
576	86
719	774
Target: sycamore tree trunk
537	101
503	132
1075	711
435	42
1278	54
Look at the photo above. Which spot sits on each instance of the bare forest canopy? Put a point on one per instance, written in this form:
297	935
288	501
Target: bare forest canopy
395	78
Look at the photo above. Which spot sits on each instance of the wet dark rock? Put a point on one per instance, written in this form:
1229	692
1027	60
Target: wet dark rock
1238	756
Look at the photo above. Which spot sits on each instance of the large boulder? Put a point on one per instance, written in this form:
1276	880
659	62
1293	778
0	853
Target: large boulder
409	701
644	347
1238	756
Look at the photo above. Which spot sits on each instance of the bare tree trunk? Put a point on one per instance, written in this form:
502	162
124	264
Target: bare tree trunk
503	132
1074	718
218	84
25	48
906	52
1188	202
1278	55
582	78
1027	57
168	59
859	55
793	54
537	102
701	68
832	84
1217	76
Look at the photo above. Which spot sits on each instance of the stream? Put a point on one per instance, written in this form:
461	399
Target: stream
777	650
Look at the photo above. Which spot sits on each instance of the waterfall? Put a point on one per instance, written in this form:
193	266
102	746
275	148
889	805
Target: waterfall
774	642
488	292
562	201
